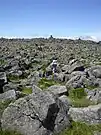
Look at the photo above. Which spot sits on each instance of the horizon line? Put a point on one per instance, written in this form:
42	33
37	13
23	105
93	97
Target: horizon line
91	38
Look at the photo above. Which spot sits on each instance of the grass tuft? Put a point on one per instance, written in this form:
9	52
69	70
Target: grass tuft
26	90
45	83
8	132
78	98
79	128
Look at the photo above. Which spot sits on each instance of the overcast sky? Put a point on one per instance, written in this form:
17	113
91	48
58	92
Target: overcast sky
61	18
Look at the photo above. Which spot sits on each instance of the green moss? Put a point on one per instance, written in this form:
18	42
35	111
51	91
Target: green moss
8	132
26	90
79	128
45	83
78	98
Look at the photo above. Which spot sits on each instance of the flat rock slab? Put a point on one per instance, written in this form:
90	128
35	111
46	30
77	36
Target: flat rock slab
90	115
58	90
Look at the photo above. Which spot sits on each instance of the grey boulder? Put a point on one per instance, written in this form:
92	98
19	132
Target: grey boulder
76	82
94	95
37	114
94	71
76	66
90	114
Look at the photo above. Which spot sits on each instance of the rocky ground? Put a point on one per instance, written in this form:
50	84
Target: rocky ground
33	101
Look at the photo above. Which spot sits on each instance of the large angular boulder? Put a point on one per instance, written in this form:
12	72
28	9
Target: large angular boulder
75	66
75	73
40	113
90	114
94	95
76	82
94	71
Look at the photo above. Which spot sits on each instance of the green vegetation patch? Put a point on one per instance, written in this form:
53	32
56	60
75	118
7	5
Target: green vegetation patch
45	83
84	102
8	132
78	98
79	128
26	90
77	93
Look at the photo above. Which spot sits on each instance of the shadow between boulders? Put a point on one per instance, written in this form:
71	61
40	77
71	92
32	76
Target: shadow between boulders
49	122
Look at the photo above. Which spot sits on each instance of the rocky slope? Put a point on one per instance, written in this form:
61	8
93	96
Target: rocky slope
75	94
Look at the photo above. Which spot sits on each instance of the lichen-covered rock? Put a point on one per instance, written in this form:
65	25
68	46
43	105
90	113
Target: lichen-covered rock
37	114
